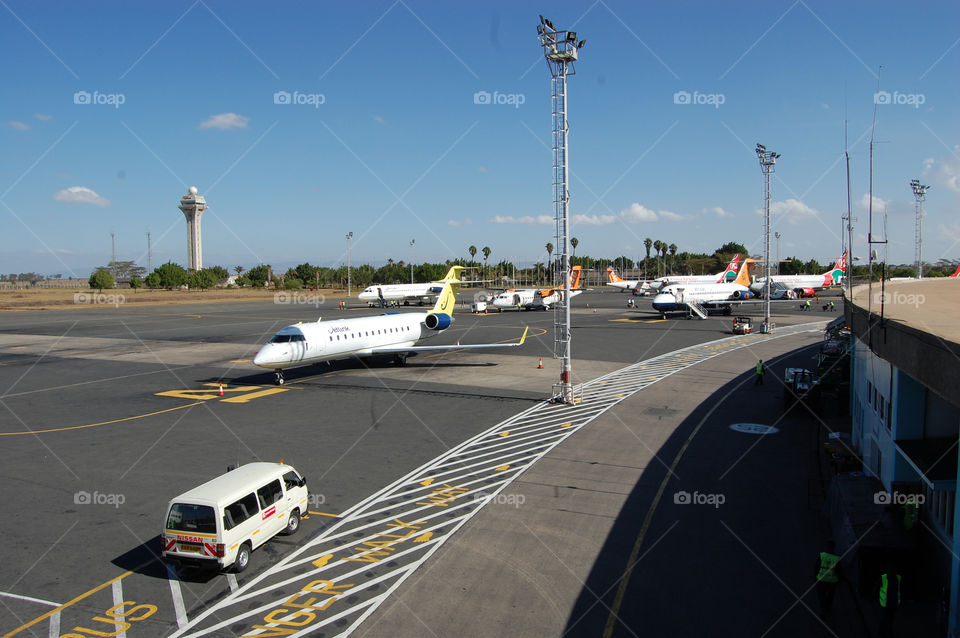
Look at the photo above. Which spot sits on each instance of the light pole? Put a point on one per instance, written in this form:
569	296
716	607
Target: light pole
412	241
349	237
919	192
560	48
777	235
768	159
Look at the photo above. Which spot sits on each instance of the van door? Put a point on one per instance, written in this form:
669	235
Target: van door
272	508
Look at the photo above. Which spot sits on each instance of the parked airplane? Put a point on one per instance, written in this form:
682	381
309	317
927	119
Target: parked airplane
656	284
700	298
537	298
807	285
393	333
406	293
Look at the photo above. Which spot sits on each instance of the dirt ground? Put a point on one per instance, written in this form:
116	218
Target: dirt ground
54	298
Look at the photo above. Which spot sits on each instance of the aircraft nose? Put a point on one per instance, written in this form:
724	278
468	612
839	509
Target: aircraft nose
267	355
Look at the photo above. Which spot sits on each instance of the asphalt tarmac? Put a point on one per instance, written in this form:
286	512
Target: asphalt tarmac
108	412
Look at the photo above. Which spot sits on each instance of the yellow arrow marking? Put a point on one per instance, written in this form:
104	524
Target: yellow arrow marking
426	482
501	468
246	398
204	395
423	538
566	425
323	560
504	434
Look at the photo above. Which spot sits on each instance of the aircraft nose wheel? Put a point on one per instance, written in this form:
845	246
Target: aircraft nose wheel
279	377
400	359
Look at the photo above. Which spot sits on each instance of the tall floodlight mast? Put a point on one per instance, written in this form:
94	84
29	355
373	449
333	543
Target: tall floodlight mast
768	159
919	192
560	49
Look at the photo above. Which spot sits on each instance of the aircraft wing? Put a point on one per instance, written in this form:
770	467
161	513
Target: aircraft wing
400	349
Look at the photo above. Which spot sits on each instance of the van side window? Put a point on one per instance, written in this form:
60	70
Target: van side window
291	480
237	512
270	494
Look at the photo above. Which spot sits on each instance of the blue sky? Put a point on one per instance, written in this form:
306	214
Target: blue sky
389	143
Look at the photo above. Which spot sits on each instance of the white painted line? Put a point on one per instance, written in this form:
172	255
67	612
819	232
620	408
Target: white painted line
177	598
29	599
117	589
55	625
232	581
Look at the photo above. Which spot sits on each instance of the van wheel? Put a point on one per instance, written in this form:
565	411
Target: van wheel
293	523
243	558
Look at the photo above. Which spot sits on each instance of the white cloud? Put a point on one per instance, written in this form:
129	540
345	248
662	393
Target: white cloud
718	211
460	222
793	210
946	172
671	216
878	203
539	220
225	121
41	116
637	213
594	220
20	126
379	120
81	195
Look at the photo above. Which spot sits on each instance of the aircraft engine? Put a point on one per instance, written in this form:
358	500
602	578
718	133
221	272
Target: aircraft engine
743	294
438	322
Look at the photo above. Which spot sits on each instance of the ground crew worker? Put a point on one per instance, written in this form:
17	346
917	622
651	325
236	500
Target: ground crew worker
910	514
807	305
758	380
827	578
889	598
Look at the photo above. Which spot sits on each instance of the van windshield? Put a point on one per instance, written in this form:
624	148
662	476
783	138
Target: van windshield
185	517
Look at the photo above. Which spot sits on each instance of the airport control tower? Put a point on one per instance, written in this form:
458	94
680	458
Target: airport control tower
193	206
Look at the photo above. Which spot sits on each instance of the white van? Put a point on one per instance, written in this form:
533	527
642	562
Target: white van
220	522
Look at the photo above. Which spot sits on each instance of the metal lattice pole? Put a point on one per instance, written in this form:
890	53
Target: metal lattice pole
919	192
561	50
768	159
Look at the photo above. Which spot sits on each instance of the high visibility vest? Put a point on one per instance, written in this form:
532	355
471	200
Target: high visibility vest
827	572
883	590
759	367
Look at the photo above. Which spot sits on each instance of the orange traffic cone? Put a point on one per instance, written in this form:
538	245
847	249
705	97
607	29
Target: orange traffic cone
221	390
540	364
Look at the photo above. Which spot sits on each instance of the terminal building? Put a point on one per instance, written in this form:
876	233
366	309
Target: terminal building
905	410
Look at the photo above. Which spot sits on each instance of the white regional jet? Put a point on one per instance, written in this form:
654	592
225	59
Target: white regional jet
393	333
807	285
419	293
656	284
698	298
537	298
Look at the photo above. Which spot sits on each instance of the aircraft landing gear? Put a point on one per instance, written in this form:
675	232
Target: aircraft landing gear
278	378
400	359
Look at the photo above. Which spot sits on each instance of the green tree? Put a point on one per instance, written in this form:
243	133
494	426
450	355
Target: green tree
258	275
239	270
219	273
152	280
656	247
473	251
135	283
673	256
202	279
100	279
486	255
574	242
171	275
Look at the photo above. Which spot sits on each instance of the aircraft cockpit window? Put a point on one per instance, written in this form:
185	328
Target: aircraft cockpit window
282	338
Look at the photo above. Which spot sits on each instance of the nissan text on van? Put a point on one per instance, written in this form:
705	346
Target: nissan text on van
222	521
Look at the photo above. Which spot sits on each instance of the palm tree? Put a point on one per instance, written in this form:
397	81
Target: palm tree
673	257
663	253
574	242
473	251
647	243
549	248
239	270
486	255
656	248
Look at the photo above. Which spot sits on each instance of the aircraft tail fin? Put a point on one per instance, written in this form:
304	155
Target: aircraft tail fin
731	271
836	274
447	299
743	276
454	273
956	273
612	275
575	277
